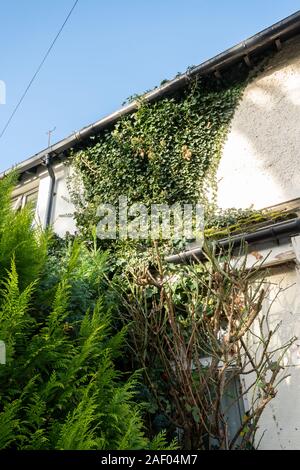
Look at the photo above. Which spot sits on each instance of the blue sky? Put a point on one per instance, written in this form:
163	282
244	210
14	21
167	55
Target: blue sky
108	51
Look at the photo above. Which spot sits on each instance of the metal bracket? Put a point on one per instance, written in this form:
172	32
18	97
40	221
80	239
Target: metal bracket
278	44
247	61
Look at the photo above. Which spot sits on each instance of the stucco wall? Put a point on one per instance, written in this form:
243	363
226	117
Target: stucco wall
260	167
279	427
260	164
62	208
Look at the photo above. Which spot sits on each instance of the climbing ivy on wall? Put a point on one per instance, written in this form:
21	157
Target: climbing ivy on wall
165	152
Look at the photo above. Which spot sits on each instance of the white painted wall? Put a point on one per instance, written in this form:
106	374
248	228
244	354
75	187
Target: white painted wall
62	209
260	164
280	422
260	167
62	219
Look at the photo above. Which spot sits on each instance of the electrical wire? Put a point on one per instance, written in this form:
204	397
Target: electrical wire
37	71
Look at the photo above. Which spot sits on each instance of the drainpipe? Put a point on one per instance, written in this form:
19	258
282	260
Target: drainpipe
273	232
51	173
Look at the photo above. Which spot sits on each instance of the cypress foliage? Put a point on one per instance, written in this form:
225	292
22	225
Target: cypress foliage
59	388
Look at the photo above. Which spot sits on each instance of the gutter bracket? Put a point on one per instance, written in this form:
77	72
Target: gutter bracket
247	61
278	44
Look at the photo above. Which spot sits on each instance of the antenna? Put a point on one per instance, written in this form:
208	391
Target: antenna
49	135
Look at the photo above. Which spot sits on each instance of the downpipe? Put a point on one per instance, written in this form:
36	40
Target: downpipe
51	174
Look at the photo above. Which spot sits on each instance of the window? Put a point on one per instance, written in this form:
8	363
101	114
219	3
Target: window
27	197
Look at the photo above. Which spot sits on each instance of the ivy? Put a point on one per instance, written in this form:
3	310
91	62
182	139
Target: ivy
165	152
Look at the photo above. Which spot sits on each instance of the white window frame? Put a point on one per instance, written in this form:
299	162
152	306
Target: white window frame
21	193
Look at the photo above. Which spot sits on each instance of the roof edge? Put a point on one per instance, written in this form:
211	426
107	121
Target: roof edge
286	28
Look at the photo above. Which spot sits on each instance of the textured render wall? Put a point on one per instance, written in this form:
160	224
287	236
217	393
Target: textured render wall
280	422
62	209
260	165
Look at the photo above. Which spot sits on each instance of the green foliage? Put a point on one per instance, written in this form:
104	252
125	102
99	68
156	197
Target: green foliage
9	425
194	332
18	238
220	223
59	388
87	279
165	152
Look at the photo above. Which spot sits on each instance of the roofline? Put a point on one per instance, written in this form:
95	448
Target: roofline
282	30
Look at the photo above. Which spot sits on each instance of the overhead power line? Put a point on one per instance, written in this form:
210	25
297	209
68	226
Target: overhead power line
37	71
